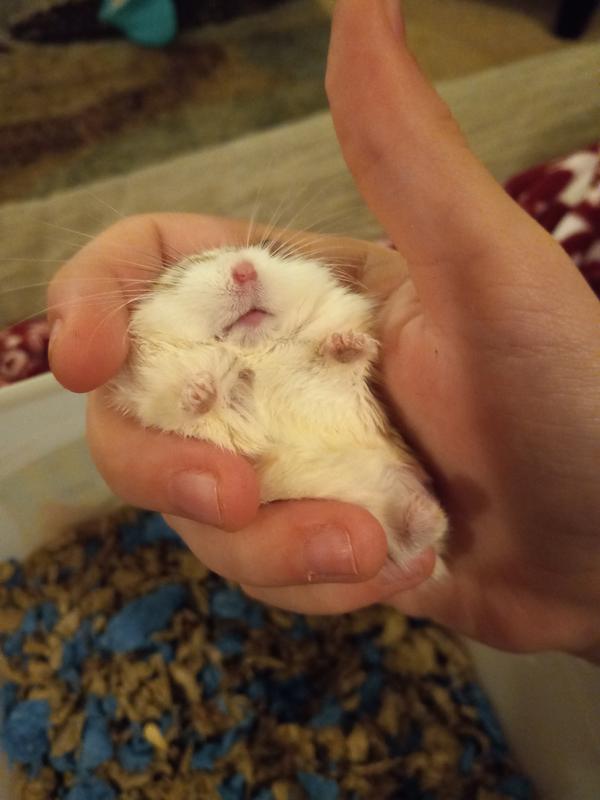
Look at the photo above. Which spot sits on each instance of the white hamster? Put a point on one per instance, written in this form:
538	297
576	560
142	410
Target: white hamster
269	355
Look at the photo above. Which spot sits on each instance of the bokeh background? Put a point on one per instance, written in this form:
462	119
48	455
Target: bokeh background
79	101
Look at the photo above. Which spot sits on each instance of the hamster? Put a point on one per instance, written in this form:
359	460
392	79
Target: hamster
269	355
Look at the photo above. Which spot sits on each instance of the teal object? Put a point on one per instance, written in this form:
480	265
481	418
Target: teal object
152	23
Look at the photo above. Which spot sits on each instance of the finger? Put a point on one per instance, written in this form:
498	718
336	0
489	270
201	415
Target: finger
294	543
460	232
167	473
90	296
331	598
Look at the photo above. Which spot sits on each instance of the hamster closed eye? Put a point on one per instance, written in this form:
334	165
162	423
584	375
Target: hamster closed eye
270	356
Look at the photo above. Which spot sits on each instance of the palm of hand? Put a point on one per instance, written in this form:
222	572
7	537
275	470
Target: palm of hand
481	391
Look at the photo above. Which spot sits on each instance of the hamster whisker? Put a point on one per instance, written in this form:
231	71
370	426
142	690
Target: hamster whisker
349	279
152	257
113	311
339	267
26	286
87	300
320	226
150	261
295	239
275	217
337	216
63	228
8	260
308	245
296	215
256	204
173	254
301	207
103	202
342	264
286	201
293	247
144	266
91	237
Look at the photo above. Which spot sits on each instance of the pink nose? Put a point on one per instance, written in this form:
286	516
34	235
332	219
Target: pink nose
243	272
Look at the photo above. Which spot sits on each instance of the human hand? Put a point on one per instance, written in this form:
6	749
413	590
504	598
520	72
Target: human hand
491	355
283	544
491	370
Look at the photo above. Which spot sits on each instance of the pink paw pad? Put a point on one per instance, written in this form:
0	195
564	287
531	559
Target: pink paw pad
199	396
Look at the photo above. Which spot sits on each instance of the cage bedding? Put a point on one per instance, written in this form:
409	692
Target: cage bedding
130	671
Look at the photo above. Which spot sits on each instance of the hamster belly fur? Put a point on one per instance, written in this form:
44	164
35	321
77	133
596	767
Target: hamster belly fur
299	406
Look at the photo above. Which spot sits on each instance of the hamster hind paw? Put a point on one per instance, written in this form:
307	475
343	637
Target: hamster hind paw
420	524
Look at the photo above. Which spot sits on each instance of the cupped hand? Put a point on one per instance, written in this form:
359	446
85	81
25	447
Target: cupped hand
210	496
491	345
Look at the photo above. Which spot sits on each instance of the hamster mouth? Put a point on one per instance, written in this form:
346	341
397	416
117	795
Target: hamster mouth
251	319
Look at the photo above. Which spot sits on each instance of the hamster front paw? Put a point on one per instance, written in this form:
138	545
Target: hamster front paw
349	347
199	394
226	382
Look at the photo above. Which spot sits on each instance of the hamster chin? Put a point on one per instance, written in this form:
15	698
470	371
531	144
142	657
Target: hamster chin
271	357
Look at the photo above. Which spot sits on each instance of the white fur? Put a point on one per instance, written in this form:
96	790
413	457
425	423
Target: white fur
309	421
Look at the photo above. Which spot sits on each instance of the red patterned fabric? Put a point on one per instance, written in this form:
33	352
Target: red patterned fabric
23	351
564	197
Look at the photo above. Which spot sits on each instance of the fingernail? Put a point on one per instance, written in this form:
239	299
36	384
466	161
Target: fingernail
54	335
329	555
196	495
394	13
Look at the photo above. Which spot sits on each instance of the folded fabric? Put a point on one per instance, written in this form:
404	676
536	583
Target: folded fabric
23	351
564	197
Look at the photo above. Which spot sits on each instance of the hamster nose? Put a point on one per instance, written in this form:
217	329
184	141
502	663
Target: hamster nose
243	272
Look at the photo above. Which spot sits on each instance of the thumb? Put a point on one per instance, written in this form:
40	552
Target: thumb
461	234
